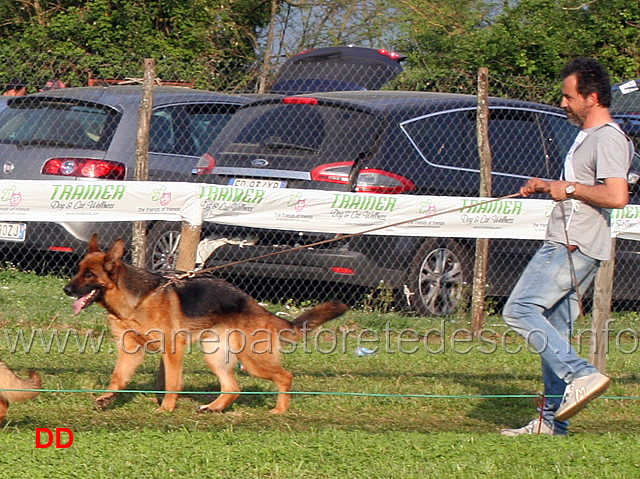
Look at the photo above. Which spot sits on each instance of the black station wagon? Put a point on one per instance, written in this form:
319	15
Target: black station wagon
383	142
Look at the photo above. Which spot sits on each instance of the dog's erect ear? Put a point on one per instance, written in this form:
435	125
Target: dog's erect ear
114	255
94	246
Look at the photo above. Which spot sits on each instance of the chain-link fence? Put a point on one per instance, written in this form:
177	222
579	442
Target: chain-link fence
380	142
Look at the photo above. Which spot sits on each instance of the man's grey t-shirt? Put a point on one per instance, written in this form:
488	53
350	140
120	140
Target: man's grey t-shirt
604	153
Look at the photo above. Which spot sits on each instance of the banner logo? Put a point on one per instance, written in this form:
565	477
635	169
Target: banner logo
159	194
11	196
297	202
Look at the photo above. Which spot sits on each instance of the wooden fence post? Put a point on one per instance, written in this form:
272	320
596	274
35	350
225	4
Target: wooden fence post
602	295
479	288
141	172
188	246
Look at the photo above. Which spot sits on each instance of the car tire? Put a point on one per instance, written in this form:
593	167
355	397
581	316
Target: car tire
438	277
163	241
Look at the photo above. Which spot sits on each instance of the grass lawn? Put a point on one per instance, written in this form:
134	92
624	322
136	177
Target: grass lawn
435	412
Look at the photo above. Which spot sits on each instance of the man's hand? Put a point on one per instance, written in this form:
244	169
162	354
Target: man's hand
558	190
612	193
535	185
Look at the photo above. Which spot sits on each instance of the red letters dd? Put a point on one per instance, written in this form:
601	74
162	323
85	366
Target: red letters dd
49	433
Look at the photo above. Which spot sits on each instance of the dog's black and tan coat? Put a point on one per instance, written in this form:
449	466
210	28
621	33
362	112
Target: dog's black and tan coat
147	314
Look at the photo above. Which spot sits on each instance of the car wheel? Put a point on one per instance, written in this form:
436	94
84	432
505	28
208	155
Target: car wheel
163	240
438	277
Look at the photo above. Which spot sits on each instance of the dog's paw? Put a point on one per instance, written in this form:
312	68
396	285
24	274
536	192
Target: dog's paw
278	411
205	409
165	408
104	400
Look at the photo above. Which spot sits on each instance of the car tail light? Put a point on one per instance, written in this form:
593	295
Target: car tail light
370	180
303	100
333	172
393	55
205	165
85	168
342	270
61	249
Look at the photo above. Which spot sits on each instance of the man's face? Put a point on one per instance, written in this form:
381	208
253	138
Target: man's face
575	105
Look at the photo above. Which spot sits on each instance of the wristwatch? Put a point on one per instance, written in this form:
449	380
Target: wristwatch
570	190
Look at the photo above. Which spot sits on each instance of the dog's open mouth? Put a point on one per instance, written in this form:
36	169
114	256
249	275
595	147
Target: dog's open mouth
84	301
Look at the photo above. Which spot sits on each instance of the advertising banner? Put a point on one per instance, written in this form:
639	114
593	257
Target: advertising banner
287	209
91	201
340	212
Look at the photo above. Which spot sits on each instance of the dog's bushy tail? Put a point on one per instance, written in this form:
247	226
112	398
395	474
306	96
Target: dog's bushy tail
8	380
315	317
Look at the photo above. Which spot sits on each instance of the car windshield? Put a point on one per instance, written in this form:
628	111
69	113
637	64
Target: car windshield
48	123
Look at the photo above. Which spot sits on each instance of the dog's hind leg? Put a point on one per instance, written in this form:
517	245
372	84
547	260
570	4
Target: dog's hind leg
267	366
130	356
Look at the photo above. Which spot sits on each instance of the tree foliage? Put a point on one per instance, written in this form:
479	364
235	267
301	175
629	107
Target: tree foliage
225	44
524	44
209	42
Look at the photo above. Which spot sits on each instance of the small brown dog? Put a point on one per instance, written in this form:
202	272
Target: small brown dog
150	312
8	380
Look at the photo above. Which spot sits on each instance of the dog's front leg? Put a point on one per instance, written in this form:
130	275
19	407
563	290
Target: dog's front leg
4	406
173	374
130	356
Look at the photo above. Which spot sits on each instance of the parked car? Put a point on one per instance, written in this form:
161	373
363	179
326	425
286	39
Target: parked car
342	68
625	108
384	142
89	133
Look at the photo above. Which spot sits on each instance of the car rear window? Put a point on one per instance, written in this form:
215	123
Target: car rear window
187	129
327	132
61	124
298	126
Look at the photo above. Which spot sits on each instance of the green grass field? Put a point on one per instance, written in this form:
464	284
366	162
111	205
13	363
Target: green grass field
435	412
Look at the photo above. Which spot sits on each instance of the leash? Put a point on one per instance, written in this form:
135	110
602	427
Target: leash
191	274
572	268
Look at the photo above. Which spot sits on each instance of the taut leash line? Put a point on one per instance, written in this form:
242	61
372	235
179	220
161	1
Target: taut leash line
190	274
572	268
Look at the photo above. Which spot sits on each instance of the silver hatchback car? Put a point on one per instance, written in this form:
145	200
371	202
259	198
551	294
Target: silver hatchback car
89	133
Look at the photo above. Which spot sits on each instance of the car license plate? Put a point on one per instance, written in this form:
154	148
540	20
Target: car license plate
13	231
257	183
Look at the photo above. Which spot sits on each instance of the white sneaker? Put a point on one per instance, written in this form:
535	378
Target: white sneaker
537	426
581	392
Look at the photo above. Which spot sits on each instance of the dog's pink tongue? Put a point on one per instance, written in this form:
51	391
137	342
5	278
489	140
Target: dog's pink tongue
80	303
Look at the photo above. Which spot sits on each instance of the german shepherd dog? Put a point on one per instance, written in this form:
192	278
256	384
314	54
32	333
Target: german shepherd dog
150	312
8	380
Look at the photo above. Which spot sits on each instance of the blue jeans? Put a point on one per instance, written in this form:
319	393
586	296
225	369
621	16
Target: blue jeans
542	308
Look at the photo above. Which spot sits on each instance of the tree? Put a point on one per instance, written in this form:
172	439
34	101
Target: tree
524	45
304	24
209	42
617	24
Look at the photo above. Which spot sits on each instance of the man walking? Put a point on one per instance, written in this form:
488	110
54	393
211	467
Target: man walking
544	303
